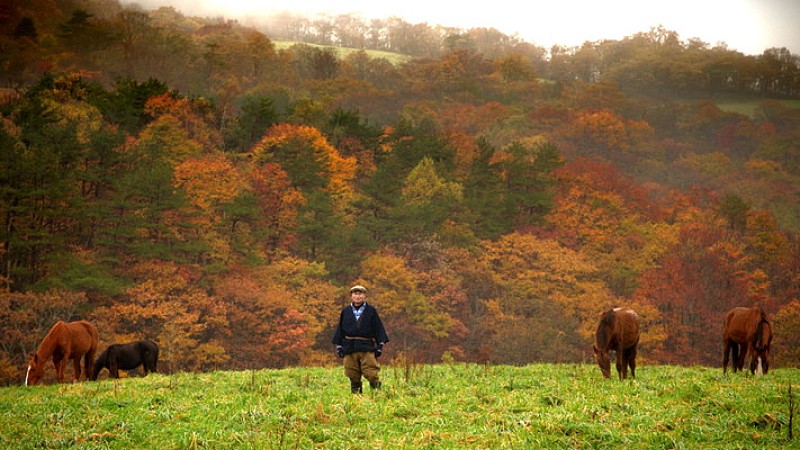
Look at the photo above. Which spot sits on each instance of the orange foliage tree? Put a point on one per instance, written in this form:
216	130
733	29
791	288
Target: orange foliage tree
547	298
612	219
603	132
210	183
770	250
281	314
278	203
786	346
193	116
27	318
325	179
416	308
311	162
699	279
167	306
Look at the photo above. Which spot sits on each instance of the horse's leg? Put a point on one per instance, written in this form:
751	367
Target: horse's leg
59	363
632	360
88	364
753	359
622	368
725	357
743	352
76	367
143	363
739	354
113	370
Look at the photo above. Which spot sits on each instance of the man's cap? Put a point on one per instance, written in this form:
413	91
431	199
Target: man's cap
358	288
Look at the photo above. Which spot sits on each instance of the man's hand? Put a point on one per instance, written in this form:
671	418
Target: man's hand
339	351
379	350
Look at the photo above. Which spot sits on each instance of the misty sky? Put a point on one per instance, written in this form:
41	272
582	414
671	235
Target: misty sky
749	26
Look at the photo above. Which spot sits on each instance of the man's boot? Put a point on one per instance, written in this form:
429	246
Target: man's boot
375	385
355	387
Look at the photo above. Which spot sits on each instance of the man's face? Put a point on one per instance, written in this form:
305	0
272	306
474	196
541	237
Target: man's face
358	297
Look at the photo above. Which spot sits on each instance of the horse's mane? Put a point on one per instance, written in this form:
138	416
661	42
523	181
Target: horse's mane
763	314
759	336
605	328
46	347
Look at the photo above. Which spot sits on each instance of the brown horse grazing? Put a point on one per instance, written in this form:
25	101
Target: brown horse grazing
747	330
618	331
64	342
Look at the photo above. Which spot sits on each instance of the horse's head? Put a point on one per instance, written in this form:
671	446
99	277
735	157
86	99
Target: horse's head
763	341
603	360
35	370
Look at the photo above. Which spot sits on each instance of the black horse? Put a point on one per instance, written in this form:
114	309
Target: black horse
127	357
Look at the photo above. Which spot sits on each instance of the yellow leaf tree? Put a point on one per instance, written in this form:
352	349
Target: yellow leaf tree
311	162
210	183
418	317
167	306
550	295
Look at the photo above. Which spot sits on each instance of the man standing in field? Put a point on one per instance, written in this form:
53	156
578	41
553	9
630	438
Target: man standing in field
359	339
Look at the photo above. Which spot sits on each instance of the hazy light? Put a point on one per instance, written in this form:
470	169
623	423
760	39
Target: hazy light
749	26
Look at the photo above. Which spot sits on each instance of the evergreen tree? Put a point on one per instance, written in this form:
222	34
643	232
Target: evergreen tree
125	104
25	28
529	181
410	144
485	194
317	226
258	113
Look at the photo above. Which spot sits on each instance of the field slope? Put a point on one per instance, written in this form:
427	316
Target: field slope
433	406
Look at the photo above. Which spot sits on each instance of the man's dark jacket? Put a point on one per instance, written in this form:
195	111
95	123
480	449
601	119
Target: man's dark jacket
368	330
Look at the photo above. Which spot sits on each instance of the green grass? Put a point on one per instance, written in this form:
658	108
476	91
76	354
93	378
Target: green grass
433	406
342	52
748	106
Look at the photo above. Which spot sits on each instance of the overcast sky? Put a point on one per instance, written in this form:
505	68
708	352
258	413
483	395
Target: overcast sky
749	26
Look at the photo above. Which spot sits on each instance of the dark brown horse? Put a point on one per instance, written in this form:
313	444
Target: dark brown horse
618	331
747	330
127	357
65	341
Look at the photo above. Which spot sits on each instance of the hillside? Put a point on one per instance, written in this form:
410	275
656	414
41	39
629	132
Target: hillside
344	52
434	406
748	106
205	185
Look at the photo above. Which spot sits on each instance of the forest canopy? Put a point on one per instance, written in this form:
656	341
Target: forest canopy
189	181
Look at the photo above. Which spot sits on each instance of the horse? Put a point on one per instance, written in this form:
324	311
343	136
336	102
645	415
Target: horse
65	341
747	330
127	357
618	330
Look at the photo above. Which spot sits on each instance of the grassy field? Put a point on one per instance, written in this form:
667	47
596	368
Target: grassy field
748	106
451	406
342	52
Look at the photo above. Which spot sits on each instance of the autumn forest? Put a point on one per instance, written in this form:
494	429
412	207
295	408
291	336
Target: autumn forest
217	188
